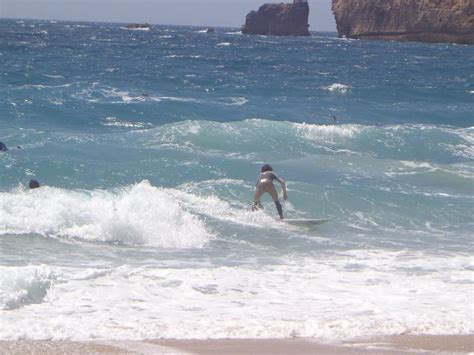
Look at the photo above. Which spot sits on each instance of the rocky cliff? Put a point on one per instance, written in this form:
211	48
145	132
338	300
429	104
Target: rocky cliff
406	20
278	20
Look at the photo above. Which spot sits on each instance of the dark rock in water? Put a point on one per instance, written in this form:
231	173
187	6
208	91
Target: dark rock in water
279	20
3	147
138	26
406	20
33	184
209	30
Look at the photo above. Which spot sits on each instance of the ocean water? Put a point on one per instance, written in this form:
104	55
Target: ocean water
148	144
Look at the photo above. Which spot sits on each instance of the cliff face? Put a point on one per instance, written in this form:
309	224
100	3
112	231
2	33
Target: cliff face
278	20
406	20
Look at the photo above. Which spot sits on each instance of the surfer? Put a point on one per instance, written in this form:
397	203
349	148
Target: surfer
33	184
265	184
3	147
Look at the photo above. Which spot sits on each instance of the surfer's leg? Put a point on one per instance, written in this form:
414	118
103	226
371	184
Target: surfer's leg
273	192
279	209
256	198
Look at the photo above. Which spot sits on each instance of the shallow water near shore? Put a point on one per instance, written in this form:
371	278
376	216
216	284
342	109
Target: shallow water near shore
148	144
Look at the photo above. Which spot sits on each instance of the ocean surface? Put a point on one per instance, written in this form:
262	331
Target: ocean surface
148	144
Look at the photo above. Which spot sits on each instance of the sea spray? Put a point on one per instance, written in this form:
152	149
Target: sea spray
20	286
140	214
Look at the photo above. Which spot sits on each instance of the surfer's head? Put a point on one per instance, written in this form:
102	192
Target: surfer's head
33	184
267	167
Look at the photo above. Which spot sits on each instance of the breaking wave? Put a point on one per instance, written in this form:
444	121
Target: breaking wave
140	214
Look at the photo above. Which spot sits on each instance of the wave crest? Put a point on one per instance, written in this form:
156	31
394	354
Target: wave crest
337	88
141	214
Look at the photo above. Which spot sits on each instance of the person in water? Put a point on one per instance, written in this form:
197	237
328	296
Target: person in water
33	184
265	184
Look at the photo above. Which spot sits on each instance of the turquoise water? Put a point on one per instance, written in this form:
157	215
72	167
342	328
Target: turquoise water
148	144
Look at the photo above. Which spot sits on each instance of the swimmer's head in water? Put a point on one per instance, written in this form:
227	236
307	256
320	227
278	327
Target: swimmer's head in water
33	184
267	167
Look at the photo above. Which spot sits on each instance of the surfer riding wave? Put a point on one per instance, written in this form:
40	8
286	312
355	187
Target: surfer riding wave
265	185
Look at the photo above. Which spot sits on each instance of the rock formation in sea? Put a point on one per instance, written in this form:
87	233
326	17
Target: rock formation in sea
138	26
406	20
279	20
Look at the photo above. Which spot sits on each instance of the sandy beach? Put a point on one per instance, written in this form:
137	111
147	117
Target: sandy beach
420	344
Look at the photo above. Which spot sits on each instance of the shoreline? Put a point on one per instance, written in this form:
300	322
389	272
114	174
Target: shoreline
439	344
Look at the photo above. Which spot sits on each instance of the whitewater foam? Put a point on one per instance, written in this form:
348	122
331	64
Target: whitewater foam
135	28
353	294
21	286
327	132
41	86
115	122
337	88
54	76
140	214
233	101
212	206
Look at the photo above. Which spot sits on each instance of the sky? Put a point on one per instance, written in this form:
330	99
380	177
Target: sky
218	13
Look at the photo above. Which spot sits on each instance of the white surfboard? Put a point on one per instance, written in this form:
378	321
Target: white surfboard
304	222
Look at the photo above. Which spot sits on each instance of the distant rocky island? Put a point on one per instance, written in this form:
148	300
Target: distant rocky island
138	26
406	20
279	20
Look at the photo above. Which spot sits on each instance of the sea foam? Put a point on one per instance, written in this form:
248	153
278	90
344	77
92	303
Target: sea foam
20	286
357	293
337	88
327	132
140	214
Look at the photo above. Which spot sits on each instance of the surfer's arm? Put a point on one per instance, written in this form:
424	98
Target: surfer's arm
285	191
283	186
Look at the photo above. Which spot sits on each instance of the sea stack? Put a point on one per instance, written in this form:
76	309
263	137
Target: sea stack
279	20
449	21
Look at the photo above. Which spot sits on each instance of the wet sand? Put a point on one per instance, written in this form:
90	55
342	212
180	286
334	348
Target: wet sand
422	344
